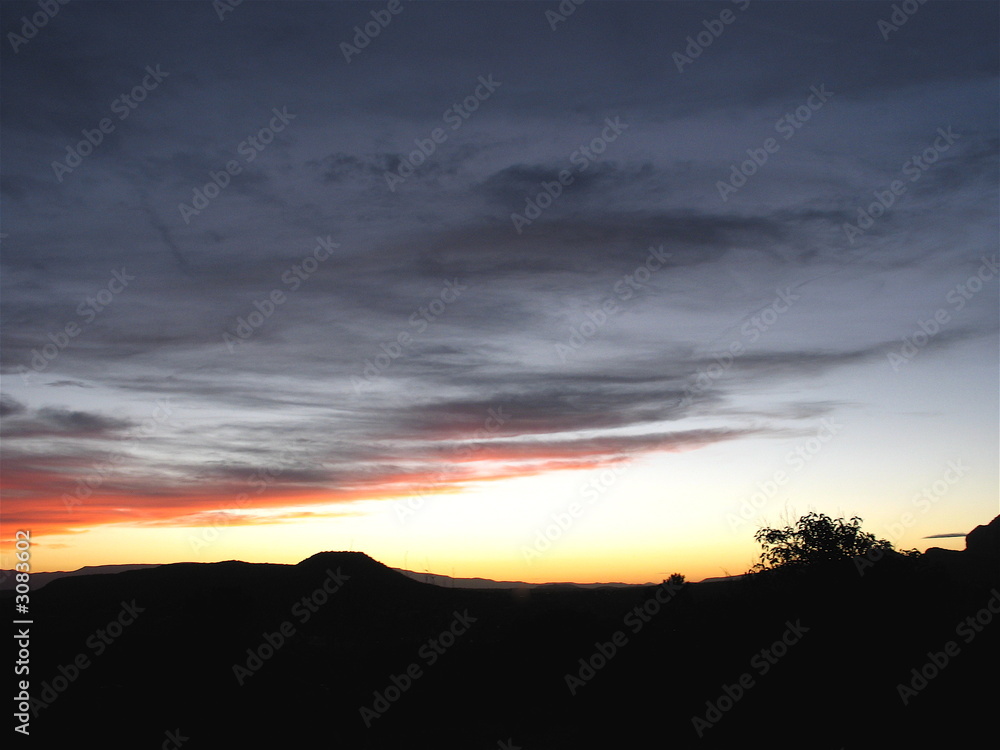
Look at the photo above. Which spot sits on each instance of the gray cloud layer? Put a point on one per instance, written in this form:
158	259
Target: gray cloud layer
301	385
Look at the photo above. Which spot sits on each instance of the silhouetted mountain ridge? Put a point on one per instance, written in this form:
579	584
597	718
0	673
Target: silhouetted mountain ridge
356	564
984	540
256	654
38	580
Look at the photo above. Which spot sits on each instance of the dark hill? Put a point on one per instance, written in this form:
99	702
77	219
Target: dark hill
235	654
978	562
360	565
984	541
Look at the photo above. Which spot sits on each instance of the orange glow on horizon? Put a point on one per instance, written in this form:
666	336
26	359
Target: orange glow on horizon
480	517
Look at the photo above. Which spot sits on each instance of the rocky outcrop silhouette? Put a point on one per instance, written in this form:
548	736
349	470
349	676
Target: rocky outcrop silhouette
978	563
984	541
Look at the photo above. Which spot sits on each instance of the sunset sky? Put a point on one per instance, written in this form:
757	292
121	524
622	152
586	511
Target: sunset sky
496	291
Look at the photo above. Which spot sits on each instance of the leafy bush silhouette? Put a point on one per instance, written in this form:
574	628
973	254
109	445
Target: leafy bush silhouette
817	540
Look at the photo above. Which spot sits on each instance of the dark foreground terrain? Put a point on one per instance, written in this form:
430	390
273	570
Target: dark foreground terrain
339	651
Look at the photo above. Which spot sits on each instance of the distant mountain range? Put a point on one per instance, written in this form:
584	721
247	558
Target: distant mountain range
39	580
486	583
982	537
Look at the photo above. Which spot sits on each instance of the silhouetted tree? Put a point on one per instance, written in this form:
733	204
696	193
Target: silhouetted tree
817	539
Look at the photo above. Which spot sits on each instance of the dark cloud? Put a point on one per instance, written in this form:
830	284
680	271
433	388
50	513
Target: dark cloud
49	422
10	406
532	332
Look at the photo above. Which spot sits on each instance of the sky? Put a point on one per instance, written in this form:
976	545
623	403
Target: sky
524	291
